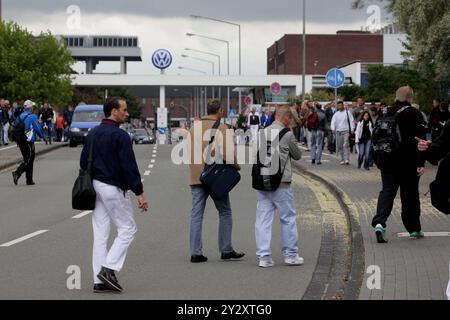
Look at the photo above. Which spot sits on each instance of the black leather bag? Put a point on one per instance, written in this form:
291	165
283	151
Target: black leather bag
83	192
440	187
218	179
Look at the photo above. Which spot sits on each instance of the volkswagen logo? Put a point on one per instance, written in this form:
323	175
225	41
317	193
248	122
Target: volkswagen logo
162	59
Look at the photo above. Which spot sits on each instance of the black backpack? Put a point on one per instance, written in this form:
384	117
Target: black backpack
386	137
18	133
440	187
266	182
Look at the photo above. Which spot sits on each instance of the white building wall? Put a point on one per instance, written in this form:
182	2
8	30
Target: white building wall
392	48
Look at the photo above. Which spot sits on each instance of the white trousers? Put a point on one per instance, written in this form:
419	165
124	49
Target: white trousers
254	131
5	133
268	201
111	204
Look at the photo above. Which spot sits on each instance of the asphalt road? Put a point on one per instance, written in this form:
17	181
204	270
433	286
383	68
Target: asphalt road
157	266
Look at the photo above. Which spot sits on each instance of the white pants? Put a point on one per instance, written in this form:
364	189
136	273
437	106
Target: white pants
111	204
5	133
268	201
254	131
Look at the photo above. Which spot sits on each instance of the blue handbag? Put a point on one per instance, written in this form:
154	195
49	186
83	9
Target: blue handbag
218	179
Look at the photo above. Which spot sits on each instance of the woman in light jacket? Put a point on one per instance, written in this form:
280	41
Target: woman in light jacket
364	139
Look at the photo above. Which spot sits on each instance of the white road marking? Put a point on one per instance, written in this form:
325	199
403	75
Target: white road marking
152	161
142	180
153	155
427	234
154	151
146	173
6	148
150	166
82	214
28	236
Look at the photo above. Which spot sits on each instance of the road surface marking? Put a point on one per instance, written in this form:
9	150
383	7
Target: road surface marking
154	151
146	173
153	155
150	166
427	234
152	161
28	236
82	214
6	148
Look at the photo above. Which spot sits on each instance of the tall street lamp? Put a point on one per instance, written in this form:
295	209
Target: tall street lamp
200	59
206	52
304	50
190	69
227	22
215	39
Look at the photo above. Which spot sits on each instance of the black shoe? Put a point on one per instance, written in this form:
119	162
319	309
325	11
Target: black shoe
32	183
109	279
198	258
102	288
319	163
313	161
232	255
15	177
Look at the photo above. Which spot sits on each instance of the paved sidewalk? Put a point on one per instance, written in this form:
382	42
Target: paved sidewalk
410	269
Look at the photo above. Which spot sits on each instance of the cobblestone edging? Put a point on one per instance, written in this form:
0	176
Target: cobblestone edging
339	273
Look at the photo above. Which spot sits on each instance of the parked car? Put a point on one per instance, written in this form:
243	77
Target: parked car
142	136
85	117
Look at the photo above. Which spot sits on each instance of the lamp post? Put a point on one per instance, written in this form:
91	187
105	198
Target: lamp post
206	52
190	69
200	59
215	39
227	22
304	50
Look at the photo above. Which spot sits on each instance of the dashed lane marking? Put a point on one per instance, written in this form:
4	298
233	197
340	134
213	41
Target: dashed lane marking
82	214
150	166
146	173
427	234
28	236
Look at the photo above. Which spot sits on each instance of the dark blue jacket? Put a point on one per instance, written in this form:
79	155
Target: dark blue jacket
113	160
31	122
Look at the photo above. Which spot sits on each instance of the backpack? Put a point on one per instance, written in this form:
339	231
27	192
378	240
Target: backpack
18	133
313	121
261	180
386	137
440	187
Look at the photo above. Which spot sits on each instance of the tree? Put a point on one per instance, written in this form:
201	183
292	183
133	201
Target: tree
426	23
36	68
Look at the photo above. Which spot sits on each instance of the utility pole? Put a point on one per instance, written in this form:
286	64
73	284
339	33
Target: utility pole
304	50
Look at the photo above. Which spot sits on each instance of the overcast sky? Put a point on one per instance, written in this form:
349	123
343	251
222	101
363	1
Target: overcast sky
163	24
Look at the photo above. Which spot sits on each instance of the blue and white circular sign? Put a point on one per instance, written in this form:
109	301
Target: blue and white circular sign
335	78
162	59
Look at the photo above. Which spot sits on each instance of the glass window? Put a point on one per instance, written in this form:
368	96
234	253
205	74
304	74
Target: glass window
95	42
81	42
115	42
110	42
130	42
120	42
75	42
105	42
134	42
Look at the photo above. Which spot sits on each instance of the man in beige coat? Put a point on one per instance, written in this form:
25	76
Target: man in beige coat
200	134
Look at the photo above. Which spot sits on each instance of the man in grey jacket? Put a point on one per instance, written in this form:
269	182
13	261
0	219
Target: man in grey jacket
281	199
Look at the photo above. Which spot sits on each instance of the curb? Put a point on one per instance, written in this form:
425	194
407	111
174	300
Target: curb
355	271
18	160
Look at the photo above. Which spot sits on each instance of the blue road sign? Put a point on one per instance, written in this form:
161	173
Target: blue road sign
162	130
335	78
162	59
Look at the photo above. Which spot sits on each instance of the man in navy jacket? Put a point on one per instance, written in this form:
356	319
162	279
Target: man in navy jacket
114	173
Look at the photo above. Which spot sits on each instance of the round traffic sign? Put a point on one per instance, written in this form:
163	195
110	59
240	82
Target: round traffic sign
275	88
248	100
335	78
162	59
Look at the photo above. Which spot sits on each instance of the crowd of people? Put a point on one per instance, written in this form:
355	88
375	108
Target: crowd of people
53	124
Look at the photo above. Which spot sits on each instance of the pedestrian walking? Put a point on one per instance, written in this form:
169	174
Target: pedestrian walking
253	122
281	199
402	167
197	148
25	140
342	124
6	122
46	115
317	134
364	140
434	152
115	173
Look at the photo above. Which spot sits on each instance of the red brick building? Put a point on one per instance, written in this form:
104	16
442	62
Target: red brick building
323	52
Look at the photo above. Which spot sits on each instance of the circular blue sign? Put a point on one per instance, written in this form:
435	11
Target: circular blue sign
162	59
162	130
335	78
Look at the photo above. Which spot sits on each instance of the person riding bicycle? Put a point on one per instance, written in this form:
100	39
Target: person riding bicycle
45	116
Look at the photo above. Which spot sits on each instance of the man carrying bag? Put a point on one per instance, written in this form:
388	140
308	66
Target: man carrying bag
200	194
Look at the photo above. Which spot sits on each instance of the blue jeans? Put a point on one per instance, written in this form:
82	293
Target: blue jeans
317	137
364	153
199	197
268	201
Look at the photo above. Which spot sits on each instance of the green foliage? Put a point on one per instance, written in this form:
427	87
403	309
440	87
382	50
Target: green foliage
33	68
97	96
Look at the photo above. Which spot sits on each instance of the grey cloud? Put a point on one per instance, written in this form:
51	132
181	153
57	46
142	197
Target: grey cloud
326	11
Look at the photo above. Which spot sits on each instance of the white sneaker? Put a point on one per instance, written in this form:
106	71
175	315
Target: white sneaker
342	162
294	261
266	263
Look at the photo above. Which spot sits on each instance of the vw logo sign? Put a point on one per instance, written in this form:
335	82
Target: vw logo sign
162	59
